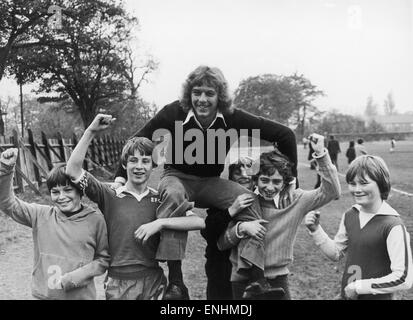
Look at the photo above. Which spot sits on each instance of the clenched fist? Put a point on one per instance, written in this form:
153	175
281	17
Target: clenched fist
312	220
9	157
101	122
317	142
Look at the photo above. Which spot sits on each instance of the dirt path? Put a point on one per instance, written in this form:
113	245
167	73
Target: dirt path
16	263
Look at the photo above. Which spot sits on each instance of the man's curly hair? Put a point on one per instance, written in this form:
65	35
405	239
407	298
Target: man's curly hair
275	161
212	77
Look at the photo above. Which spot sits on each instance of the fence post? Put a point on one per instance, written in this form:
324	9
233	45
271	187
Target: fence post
106	141
61	147
33	152
19	180
45	142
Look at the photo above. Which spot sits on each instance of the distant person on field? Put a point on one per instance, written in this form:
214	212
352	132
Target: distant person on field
305	142
360	148
333	147
70	238
392	144
371	234
351	152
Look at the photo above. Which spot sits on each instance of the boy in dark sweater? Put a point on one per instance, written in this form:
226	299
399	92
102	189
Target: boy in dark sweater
379	257
129	211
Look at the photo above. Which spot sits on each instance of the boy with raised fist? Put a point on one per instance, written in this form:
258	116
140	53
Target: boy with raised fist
70	238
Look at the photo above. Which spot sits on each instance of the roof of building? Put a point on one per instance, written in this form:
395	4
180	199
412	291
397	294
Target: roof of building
398	118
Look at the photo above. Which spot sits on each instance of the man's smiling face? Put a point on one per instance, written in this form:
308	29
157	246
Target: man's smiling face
205	103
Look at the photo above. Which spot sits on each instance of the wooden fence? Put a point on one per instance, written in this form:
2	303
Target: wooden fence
37	158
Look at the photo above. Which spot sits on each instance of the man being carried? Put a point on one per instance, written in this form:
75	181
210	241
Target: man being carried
205	109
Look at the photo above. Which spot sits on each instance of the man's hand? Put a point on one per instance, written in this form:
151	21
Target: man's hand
101	122
350	291
312	220
145	231
253	229
317	142
243	201
9	157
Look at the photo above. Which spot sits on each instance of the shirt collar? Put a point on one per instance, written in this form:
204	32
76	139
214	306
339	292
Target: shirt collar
191	114
276	199
138	197
385	210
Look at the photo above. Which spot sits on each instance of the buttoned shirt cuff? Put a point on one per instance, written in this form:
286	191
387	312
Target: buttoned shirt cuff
322	154
81	181
239	236
363	287
120	180
319	236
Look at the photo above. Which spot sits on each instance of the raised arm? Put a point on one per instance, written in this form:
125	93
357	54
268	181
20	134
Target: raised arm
330	184
74	164
20	211
92	187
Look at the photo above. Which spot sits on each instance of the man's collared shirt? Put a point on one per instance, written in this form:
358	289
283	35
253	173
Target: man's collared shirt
191	114
137	196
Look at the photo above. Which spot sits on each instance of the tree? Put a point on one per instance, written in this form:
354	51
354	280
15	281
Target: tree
371	108
89	69
306	92
19	21
136	69
375	127
335	122
266	95
282	98
389	105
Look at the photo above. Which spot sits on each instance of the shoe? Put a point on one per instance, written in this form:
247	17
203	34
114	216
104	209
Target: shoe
176	292
261	289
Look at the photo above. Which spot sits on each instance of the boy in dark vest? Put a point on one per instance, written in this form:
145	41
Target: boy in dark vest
379	257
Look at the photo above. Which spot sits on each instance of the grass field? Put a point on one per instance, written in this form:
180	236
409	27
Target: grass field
312	275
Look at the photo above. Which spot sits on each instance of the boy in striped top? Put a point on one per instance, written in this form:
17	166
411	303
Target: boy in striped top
379	257
257	272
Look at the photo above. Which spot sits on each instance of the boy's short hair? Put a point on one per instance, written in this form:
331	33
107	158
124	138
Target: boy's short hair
375	168
58	177
142	144
360	141
275	161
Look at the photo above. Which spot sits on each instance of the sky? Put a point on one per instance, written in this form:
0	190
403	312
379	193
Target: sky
350	49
